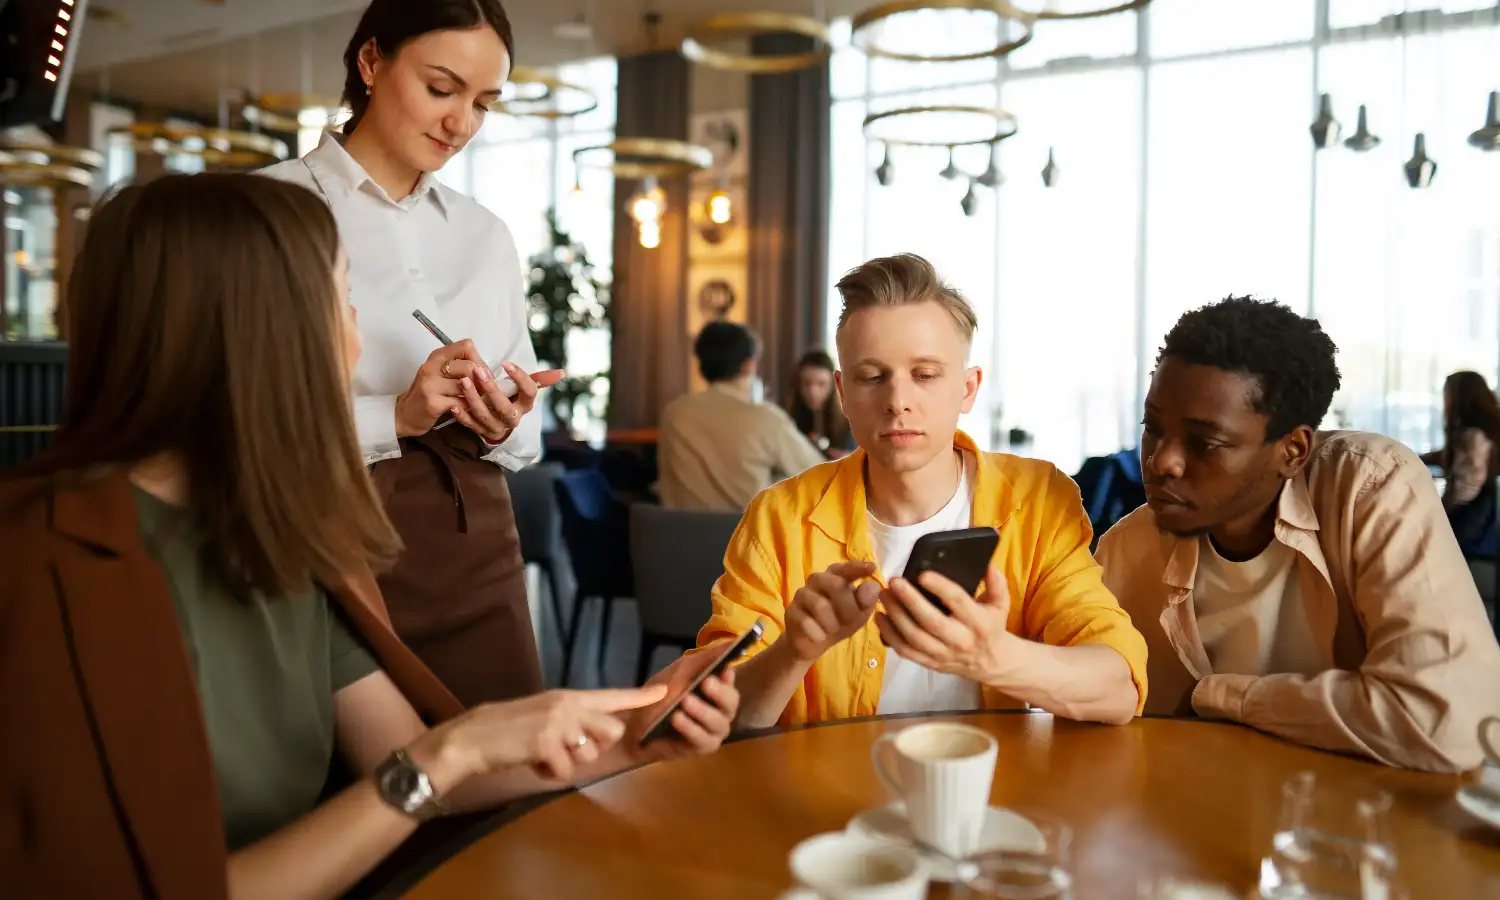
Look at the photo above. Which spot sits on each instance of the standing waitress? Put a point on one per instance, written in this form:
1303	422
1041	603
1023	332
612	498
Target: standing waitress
420	76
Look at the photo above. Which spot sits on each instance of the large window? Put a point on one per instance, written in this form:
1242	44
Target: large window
1186	173
522	170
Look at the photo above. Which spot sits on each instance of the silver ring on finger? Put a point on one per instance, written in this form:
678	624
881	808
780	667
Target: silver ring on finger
580	742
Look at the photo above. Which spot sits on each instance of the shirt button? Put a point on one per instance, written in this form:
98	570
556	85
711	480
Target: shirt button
414	271
874	662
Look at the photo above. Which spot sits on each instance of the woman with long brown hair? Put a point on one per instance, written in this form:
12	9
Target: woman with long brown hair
420	76
189	628
814	405
1470	459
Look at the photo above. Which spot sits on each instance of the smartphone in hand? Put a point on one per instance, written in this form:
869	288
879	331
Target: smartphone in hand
961	556
661	727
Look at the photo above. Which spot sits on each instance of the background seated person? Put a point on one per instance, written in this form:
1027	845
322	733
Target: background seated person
1303	583
816	556
721	447
814	405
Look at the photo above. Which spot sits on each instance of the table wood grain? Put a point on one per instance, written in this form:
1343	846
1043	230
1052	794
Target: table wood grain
1158	797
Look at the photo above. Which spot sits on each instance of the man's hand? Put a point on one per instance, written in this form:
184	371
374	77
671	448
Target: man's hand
829	609
972	643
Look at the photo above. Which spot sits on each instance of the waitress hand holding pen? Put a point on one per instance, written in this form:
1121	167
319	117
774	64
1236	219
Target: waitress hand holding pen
456	380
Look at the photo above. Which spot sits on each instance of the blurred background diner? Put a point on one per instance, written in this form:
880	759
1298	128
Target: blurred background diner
674	165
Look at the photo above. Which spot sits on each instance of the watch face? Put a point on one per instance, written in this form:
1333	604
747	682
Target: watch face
401	781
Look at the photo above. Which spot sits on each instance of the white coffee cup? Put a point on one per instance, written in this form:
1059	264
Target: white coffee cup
942	772
842	866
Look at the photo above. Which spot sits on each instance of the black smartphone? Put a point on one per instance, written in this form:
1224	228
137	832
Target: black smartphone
662	726
961	556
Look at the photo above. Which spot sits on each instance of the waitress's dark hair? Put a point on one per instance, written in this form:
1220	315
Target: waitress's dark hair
391	23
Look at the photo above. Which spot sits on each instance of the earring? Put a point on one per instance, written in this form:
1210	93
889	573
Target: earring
367	90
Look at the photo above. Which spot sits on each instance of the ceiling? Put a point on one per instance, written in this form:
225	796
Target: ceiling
175	54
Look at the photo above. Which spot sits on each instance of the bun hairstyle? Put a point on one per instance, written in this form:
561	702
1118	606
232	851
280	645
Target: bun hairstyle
391	23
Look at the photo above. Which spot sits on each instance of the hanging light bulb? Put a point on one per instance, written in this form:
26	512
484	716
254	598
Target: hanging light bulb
991	177
1420	168
950	171
1325	128
718	206
1362	140
1050	172
648	203
1488	137
885	171
577	183
970	202
650	235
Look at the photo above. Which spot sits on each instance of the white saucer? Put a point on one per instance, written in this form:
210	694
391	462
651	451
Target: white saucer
1003	830
1481	803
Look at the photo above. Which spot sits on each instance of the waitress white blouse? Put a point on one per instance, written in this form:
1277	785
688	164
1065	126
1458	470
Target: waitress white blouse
438	251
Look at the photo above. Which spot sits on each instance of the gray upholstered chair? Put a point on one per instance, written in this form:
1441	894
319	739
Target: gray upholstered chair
677	556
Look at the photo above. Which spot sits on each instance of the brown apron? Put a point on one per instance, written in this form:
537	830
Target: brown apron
457	594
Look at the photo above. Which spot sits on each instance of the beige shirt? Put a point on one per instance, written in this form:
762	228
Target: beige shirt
1412	664
719	448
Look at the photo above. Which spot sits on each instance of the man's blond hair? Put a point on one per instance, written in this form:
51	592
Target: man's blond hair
900	280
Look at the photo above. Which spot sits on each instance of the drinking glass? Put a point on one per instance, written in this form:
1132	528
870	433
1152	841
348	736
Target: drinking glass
1042	871
1326	848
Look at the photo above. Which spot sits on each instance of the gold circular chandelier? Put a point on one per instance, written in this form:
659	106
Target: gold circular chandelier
641	158
215	146
290	113
996	125
535	94
703	40
867	25
1063	10
47	166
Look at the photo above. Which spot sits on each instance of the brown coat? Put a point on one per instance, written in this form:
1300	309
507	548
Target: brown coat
106	783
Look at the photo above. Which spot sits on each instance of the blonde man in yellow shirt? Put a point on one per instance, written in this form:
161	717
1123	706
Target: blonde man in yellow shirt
814	555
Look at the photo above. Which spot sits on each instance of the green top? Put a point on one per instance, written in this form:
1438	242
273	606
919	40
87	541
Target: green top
267	670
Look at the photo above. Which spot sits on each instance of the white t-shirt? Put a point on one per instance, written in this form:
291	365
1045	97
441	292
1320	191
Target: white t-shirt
1250	614
909	687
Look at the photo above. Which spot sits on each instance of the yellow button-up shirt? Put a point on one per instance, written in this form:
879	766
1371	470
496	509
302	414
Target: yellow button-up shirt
806	524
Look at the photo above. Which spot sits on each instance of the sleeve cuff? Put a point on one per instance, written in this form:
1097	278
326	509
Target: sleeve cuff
1222	696
375	422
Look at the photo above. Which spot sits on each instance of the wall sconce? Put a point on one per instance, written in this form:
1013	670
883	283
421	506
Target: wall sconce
718	206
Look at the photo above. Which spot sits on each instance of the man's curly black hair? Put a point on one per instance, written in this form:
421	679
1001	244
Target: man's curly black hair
1289	355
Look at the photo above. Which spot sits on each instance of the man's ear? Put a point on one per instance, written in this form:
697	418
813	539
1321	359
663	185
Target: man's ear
838	385
973	378
1294	451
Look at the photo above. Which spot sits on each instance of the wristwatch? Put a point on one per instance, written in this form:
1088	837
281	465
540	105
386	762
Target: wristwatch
404	785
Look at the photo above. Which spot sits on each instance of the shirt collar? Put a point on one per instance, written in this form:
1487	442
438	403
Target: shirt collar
732	389
1294	513
842	512
339	176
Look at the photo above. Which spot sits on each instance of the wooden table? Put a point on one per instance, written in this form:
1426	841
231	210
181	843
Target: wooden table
1156	797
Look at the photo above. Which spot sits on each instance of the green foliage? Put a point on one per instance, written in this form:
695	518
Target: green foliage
565	293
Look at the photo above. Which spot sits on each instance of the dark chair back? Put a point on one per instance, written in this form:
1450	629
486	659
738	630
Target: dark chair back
677	555
537	517
596	531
